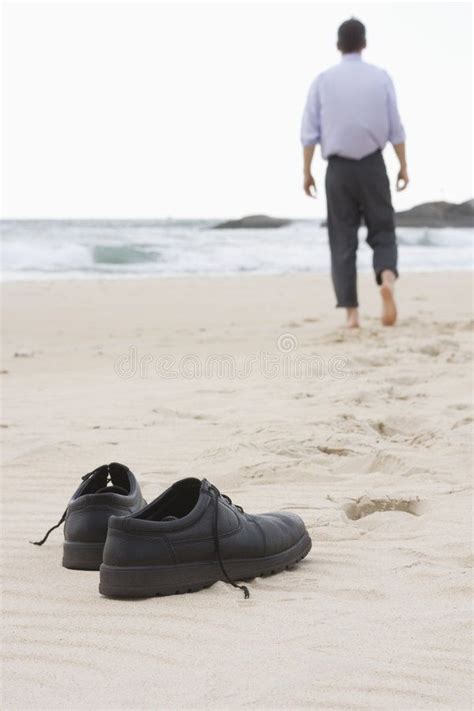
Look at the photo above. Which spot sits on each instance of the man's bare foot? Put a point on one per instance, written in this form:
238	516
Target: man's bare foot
352	320
389	307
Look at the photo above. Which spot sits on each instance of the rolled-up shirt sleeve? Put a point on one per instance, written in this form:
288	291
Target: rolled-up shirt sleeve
396	131
310	125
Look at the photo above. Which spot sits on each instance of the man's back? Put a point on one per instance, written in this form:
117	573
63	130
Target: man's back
351	110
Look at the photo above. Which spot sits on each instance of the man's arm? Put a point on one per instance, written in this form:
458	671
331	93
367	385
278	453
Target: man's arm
310	136
308	182
402	177
397	135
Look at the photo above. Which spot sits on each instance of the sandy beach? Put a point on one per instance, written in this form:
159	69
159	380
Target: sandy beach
212	378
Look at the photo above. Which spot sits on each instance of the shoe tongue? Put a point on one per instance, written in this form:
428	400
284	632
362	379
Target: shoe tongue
115	474
118	474
112	490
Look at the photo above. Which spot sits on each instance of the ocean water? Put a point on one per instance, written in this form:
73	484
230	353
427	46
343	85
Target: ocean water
64	249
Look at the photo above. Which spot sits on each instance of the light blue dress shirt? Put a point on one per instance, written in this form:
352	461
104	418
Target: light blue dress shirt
351	110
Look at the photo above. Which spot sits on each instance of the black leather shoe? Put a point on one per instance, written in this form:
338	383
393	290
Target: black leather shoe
192	536
110	489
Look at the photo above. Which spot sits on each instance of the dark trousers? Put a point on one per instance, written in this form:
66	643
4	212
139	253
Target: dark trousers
357	189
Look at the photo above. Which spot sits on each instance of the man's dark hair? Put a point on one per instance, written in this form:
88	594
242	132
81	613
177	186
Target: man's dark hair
351	36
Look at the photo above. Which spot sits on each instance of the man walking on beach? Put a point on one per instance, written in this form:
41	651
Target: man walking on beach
351	111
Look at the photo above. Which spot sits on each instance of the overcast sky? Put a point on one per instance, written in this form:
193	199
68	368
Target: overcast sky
193	109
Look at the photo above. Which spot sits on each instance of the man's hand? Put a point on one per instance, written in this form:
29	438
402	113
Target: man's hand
402	179
309	183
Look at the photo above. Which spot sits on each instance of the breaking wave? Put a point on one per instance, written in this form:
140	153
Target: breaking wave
62	249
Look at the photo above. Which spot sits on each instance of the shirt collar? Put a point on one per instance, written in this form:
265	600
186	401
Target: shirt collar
351	57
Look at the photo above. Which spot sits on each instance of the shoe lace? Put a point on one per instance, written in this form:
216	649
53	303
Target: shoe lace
217	495
61	520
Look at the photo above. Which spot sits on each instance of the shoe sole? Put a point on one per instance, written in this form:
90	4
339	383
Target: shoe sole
149	581
82	556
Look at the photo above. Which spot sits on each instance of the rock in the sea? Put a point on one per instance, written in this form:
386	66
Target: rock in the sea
253	222
438	214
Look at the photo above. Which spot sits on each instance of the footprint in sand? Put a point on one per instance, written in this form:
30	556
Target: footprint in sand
398	427
424	439
437	348
168	412
449	343
375	361
404	380
338	451
463	423
365	506
430	350
459	358
383	429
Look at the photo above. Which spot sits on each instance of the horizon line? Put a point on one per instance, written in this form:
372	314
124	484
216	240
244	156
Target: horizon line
176	218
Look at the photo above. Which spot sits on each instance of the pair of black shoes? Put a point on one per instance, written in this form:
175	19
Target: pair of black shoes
185	540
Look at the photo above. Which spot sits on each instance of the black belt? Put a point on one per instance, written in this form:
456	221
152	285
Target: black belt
336	156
